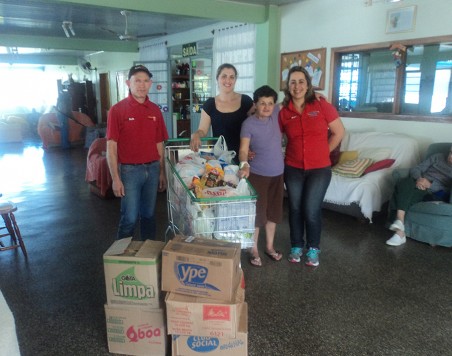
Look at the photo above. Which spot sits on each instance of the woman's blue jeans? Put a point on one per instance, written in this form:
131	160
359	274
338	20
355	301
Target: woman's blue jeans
306	190
140	185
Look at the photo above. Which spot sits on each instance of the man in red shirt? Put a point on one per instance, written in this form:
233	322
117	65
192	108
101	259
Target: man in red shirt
135	154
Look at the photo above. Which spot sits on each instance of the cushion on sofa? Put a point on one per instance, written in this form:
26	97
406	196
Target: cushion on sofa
384	163
353	168
347	156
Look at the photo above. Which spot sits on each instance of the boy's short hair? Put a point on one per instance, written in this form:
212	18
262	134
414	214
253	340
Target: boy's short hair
264	91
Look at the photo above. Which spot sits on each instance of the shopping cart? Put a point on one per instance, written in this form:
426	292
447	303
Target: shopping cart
222	218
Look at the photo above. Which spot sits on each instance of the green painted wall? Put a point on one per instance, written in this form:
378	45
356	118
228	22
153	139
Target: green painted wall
267	50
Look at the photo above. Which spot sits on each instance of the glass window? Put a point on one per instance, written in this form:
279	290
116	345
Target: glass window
412	81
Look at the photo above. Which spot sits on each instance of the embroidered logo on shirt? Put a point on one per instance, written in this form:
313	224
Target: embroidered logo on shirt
131	119
293	117
313	113
153	118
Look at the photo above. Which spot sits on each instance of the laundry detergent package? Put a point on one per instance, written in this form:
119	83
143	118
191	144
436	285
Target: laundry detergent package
197	316
201	267
132	273
183	345
136	331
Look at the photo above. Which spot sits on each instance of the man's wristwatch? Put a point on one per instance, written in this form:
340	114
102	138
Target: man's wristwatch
243	164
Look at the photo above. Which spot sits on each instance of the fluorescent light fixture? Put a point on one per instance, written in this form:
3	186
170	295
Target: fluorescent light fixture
71	29
67	26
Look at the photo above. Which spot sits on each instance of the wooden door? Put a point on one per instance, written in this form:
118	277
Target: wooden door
104	89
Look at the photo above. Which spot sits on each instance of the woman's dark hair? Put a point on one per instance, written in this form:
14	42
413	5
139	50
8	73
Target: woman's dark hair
224	66
310	94
265	92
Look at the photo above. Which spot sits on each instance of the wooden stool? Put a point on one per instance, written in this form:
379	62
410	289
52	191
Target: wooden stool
7	209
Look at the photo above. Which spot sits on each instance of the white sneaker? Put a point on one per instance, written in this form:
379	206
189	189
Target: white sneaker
397	225
396	240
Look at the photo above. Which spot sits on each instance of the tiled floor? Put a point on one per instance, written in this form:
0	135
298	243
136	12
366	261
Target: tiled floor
365	298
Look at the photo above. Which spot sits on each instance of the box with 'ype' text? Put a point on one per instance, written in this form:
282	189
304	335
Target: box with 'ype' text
201	267
183	345
132	273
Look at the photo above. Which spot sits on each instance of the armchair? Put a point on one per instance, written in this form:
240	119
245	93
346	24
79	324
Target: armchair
49	129
429	221
97	172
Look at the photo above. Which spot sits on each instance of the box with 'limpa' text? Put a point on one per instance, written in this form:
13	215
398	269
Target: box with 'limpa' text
201	267
132	273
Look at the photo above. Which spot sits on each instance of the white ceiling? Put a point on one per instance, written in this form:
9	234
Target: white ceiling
38	23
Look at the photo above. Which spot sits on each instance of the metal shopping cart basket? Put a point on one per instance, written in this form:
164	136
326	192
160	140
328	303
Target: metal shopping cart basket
222	218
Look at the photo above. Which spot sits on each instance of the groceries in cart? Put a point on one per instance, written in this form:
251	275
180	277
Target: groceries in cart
207	198
209	178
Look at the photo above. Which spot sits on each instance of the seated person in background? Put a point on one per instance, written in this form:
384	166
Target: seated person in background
430	180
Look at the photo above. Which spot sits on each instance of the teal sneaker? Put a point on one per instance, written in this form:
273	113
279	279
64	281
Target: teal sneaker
312	257
295	254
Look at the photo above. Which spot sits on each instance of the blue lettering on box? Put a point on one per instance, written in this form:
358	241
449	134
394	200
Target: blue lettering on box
202	343
192	275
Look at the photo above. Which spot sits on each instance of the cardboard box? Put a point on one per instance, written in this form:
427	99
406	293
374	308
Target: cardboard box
201	267
135	331
132	273
183	345
189	315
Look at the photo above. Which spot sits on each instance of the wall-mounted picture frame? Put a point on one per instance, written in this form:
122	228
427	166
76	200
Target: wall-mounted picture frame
313	60
402	19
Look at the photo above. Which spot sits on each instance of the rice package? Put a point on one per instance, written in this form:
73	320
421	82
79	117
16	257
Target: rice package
212	176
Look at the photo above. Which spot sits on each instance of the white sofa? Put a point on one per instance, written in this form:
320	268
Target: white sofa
361	197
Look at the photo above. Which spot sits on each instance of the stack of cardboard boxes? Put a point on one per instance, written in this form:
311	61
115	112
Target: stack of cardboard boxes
205	304
206	312
134	310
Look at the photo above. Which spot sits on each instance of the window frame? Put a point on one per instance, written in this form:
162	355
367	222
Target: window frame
335	81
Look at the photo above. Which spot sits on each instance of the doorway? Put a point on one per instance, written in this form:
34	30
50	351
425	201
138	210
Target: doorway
104	93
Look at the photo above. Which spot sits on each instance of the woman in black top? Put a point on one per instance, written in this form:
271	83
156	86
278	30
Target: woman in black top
225	112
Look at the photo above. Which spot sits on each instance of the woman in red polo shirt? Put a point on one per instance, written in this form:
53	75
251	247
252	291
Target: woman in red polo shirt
306	121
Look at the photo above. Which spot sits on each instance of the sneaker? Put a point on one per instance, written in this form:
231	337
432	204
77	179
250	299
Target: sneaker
312	257
397	225
396	240
295	254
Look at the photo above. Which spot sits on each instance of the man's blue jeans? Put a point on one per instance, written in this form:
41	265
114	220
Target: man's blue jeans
306	190
140	185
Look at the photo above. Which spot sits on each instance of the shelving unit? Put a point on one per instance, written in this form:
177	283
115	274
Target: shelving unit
83	97
180	92
190	88
181	104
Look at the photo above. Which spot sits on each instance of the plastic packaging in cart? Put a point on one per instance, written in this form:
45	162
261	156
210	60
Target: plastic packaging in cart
235	223
223	212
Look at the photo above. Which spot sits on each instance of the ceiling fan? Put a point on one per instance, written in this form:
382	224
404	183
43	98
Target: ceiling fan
85	65
128	37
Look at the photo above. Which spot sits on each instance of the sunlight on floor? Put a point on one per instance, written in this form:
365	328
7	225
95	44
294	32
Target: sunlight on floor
22	171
